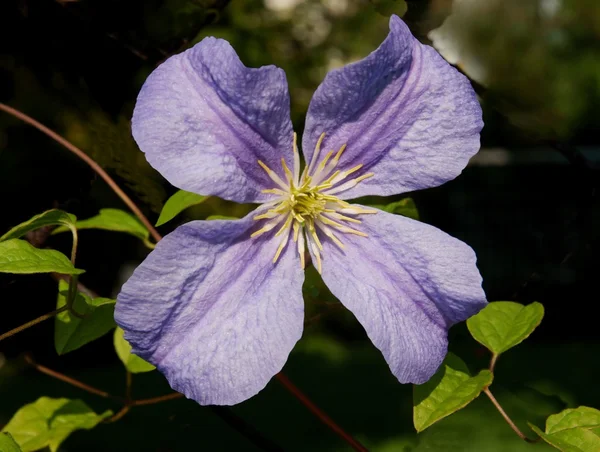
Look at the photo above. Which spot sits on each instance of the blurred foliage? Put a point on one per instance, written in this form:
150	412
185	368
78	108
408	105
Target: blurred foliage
539	59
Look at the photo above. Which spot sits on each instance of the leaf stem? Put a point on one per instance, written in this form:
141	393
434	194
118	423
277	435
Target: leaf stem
83	156
507	418
493	362
32	323
323	417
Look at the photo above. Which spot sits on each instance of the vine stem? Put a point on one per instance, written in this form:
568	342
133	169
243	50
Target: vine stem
322	416
32	323
507	418
83	156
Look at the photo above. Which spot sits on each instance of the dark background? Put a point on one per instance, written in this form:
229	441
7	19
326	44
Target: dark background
527	204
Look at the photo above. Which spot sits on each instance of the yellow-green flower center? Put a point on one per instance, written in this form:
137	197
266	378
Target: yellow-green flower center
306	204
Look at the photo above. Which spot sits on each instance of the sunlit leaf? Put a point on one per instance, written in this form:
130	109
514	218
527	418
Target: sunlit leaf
573	430
177	204
449	390
112	220
48	218
503	324
133	363
71	332
8	444
48	422
405	207
18	256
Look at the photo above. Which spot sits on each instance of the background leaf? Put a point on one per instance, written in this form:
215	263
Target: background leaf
573	430
71	332
503	324
18	256
112	220
405	207
133	363
48	218
177	203
48	422
8	444
449	390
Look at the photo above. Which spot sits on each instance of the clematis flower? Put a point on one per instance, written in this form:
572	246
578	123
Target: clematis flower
217	306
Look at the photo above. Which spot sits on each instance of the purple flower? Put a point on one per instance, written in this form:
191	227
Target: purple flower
217	306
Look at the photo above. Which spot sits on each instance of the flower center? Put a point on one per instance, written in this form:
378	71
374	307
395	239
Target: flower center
306	204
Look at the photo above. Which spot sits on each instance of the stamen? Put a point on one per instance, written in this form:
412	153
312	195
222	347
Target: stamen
288	173
344	174
315	251
267	227
286	225
338	216
274	177
315	156
349	184
274	191
330	234
301	249
341	227
282	244
296	161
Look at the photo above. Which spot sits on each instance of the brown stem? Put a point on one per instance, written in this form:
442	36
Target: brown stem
32	323
122	412
323	417
69	380
508	420
83	156
159	399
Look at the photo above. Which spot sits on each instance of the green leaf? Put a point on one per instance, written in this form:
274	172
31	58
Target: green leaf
8	444
449	390
71	332
503	324
48	218
48	422
133	363
177	204
573	430
18	256
112	220
405	207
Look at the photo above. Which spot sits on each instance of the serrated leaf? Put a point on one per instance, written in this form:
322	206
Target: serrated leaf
405	207
112	220
133	363
503	324
177	204
8	444
48	422
49	218
71	332
573	430
449	390
19	256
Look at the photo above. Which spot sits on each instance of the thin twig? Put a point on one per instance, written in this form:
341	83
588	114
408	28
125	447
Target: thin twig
159	399
320	414
70	380
83	156
32	323
508	420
